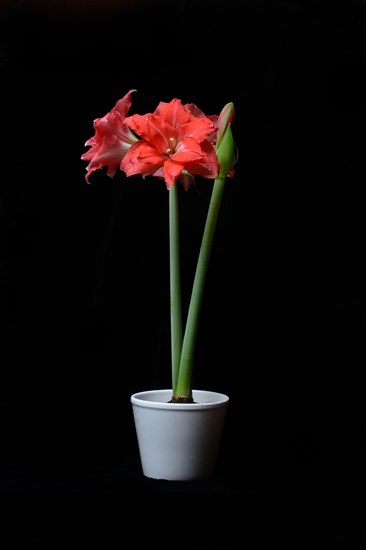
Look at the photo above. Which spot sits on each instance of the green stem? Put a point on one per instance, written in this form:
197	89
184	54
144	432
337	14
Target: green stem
184	383
175	290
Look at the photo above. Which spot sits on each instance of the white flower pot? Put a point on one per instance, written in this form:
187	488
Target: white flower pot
179	441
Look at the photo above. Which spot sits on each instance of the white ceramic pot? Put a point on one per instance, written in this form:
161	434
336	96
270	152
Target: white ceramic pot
179	441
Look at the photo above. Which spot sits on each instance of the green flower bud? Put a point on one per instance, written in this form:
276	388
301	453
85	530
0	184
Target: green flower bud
225	145
226	117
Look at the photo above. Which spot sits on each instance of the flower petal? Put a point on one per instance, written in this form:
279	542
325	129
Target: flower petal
142	159
171	172
111	141
173	113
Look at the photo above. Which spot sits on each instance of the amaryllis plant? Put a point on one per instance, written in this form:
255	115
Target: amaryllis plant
175	143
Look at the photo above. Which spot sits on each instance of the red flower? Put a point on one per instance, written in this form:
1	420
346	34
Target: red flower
177	144
112	139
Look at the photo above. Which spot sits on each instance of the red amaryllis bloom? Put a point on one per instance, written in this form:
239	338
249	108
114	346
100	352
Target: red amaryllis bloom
112	139
174	144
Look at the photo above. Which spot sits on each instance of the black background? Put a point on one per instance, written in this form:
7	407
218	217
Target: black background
84	271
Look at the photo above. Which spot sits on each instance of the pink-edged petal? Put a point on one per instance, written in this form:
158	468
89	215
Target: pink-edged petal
106	154
113	125
112	139
123	105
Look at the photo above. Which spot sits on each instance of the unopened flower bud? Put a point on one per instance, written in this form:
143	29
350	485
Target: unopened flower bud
225	145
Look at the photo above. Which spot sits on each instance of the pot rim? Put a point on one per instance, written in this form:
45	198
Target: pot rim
158	399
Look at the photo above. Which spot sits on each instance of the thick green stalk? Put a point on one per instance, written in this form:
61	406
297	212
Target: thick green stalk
184	383
175	290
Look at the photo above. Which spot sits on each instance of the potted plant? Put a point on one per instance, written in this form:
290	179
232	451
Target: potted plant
176	143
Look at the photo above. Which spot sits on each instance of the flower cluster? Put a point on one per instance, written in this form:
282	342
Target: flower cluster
175	143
